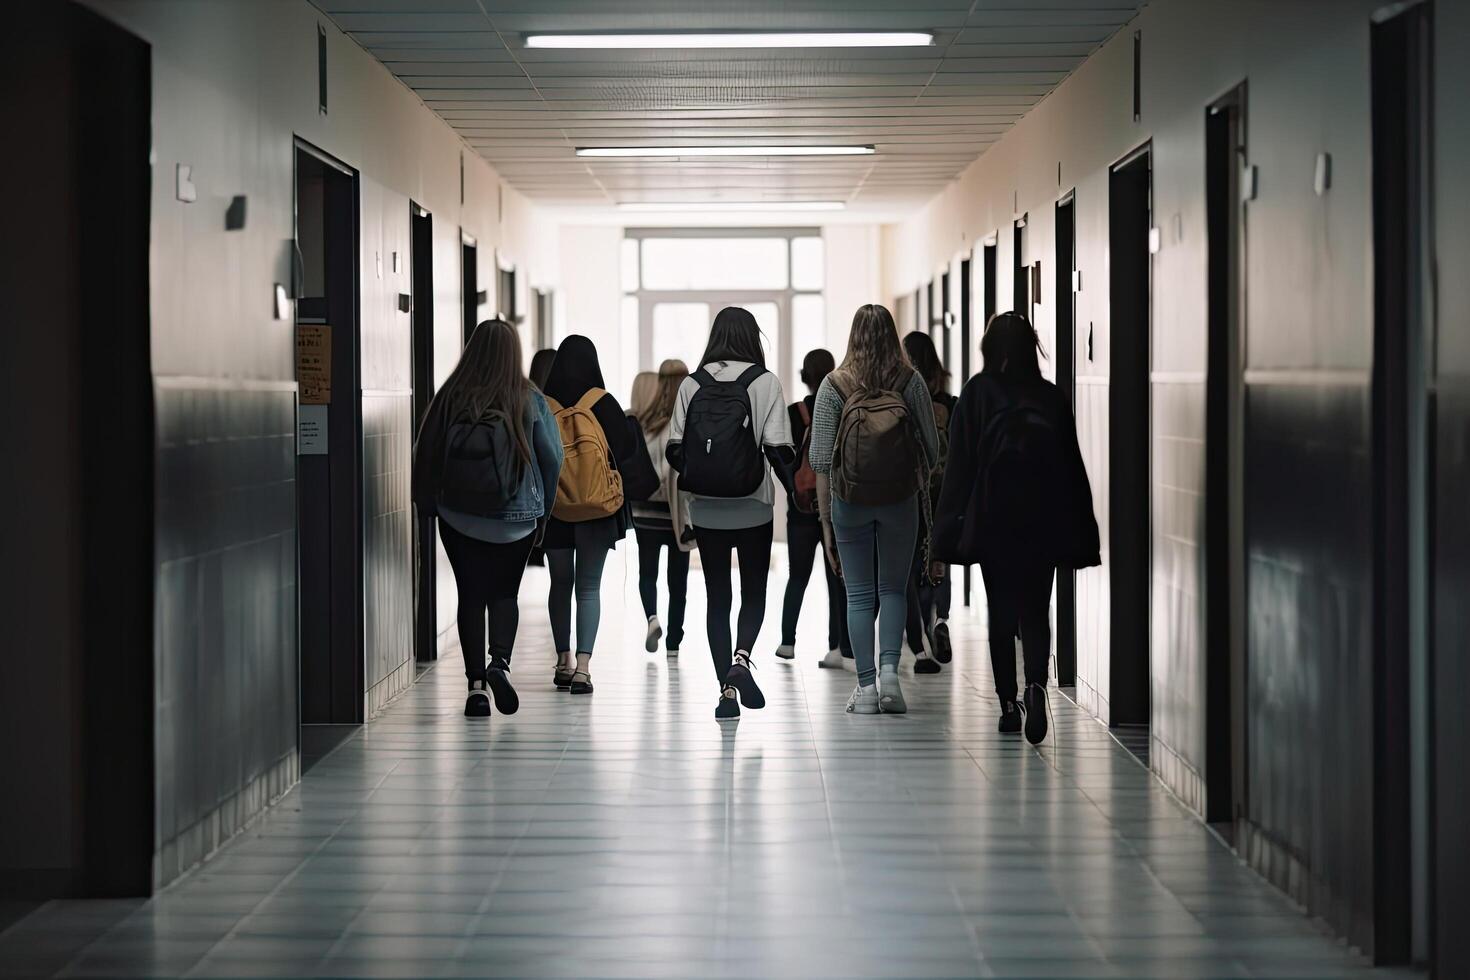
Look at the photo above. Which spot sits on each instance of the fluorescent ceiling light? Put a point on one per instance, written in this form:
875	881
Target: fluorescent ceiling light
722	151
697	206
736	39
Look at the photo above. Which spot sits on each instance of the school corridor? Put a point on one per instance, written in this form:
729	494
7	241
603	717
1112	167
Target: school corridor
309	303
625	835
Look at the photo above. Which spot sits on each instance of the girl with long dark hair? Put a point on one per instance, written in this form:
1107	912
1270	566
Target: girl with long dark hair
928	589
871	506
733	371
661	521
577	549
487	421
1016	500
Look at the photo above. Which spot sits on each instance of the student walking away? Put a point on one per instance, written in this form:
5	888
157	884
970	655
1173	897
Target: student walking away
729	429
928	588
661	517
540	367
872	446
1017	501
486	463
804	530
590	513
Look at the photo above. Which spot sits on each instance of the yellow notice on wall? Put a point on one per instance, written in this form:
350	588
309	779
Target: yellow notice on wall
314	363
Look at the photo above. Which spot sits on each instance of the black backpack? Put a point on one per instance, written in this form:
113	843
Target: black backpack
640	477
722	456
481	469
1022	476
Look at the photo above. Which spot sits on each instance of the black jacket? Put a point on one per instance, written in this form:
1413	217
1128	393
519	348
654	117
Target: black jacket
959	537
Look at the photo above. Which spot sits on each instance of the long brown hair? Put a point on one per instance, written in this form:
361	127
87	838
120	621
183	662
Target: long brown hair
925	359
488	376
875	359
660	407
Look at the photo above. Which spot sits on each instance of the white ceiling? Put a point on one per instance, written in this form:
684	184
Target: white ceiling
929	111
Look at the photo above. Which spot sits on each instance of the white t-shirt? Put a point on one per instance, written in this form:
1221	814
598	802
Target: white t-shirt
768	417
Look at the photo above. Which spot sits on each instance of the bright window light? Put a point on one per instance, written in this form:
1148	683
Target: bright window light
721	151
840	39
665	207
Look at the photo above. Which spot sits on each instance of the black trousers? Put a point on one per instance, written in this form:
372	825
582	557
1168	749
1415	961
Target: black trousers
1019	597
650	542
487	576
752	548
926	602
803	544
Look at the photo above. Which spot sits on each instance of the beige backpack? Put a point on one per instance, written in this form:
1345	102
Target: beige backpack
589	486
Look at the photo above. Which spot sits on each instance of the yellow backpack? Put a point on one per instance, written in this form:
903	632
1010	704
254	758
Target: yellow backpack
589	486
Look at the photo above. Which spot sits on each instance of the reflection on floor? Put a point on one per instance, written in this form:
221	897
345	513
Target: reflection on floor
628	834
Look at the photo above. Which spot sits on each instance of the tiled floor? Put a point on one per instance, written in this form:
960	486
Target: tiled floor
628	834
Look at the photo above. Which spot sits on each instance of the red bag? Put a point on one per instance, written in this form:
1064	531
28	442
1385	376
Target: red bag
805	480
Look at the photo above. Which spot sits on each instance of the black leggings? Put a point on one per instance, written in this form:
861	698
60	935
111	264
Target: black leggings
487	576
752	546
650	542
803	544
1019	596
926	603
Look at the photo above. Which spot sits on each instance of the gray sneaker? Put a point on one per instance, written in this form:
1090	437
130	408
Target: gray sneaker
863	700
832	661
890	692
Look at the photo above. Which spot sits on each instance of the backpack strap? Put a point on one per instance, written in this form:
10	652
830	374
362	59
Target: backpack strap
805	413
552	404
592	397
838	381
748	376
703	377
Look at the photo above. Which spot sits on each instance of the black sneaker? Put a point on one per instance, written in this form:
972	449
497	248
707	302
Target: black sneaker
1010	718
740	678
927	665
1035	700
728	706
477	705
943	652
507	702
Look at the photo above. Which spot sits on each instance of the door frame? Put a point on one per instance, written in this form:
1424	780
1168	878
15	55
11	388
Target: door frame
1123	711
469	286
1066	363
425	536
1224	583
1402	464
342	470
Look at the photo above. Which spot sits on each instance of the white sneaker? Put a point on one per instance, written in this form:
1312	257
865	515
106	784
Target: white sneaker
849	664
863	700
832	661
786	652
890	698
655	633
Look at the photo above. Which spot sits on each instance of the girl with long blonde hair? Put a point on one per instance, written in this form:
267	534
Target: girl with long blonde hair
661	520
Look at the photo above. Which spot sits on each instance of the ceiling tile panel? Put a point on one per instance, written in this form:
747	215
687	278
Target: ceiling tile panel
928	111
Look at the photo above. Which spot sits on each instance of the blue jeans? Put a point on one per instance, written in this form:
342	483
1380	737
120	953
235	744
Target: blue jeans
576	570
876	545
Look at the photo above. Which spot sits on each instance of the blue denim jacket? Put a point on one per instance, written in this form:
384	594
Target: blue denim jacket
537	490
